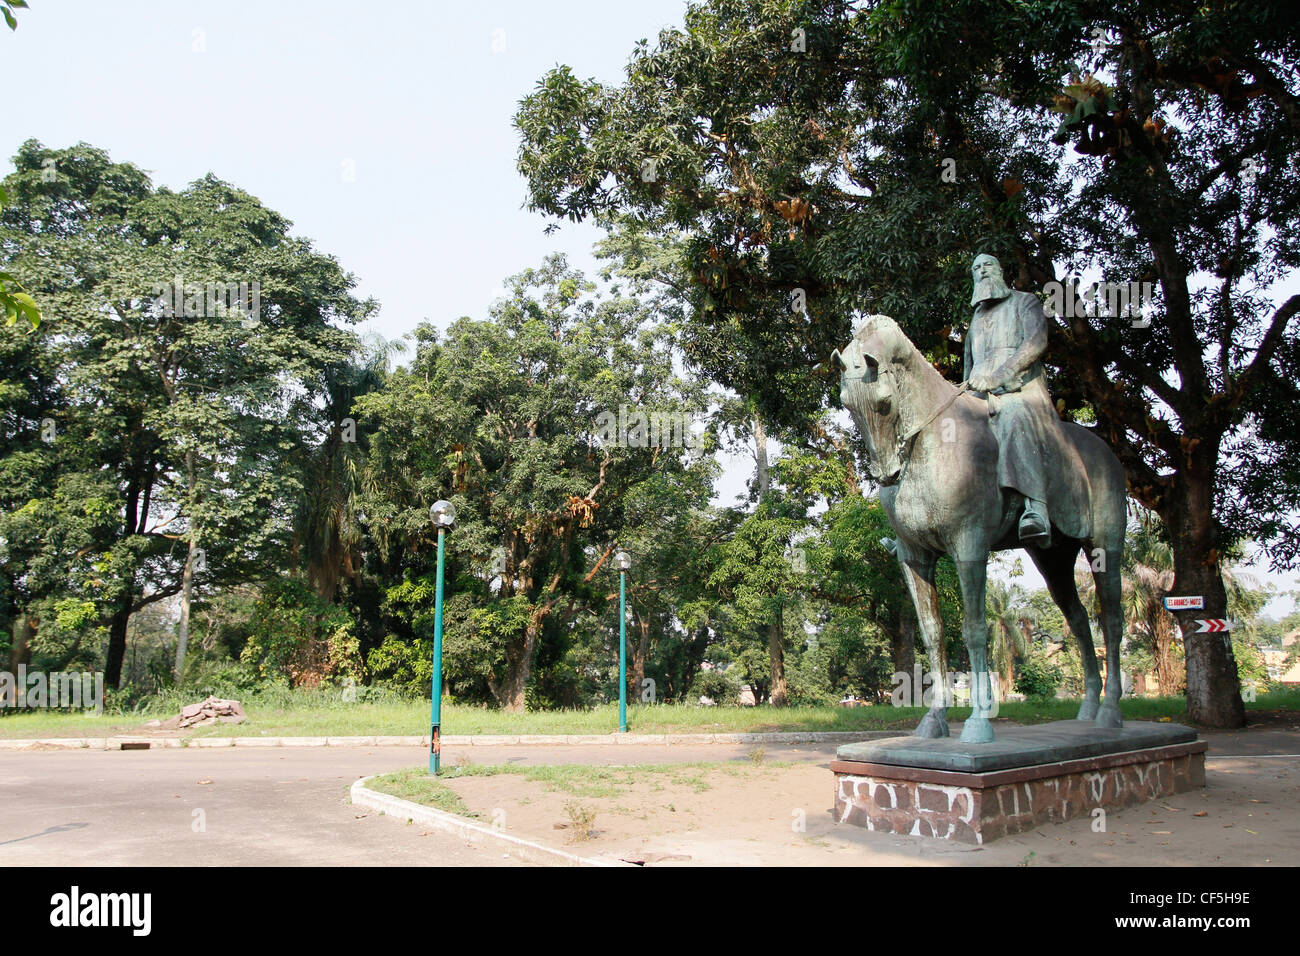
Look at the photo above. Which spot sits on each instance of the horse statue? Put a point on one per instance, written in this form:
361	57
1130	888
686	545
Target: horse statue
934	455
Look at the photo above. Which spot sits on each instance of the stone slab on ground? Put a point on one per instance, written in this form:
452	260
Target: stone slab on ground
1035	745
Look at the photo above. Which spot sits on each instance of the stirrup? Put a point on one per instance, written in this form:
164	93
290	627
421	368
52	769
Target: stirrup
1035	529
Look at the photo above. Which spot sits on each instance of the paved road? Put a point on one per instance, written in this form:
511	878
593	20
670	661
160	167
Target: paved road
278	807
290	806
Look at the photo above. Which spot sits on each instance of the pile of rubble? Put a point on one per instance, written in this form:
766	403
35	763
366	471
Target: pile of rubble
214	710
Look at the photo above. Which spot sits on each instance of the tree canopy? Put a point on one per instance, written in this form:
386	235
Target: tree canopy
175	396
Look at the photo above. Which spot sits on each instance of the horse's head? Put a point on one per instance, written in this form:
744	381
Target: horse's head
869	391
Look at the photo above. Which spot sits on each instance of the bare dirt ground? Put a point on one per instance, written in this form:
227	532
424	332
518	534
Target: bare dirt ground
764	814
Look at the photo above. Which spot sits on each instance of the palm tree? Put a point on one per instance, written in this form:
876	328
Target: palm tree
327	526
1148	576
1010	620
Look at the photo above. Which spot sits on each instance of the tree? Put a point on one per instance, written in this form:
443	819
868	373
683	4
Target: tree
668	529
756	579
1148	576
14	299
857	574
821	157
1037	677
45	523
1010	621
186	325
538	423
328	532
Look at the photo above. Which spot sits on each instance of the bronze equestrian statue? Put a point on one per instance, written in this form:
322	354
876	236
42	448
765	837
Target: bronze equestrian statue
989	466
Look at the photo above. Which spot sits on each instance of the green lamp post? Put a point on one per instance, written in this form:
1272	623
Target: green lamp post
622	561
444	516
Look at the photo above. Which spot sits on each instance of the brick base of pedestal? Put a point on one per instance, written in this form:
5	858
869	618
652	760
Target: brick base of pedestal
981	807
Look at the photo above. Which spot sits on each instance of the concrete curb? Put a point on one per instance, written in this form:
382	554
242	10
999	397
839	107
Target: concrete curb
467	829
477	740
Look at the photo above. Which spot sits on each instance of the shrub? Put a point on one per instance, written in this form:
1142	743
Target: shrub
719	686
808	679
404	665
1037	677
300	638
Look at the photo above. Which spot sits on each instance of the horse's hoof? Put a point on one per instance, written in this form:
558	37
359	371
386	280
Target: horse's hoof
1109	716
977	730
931	726
1088	709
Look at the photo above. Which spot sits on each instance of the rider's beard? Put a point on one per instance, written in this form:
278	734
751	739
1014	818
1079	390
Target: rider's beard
989	289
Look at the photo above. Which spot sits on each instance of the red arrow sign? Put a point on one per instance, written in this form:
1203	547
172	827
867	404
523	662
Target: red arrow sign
1213	625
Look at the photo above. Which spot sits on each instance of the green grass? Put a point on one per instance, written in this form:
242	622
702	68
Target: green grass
55	723
415	784
315	714
580	780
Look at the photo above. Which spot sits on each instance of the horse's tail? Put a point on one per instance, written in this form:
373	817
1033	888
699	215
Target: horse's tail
1107	488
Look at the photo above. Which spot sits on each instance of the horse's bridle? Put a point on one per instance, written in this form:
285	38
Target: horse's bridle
903	443
904	449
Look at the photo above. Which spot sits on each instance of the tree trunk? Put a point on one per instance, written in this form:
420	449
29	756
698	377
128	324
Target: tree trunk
775	639
187	576
512	692
23	631
902	649
760	457
1166	671
1213	688
636	672
695	651
187	590
776	651
117	627
903	642
117	641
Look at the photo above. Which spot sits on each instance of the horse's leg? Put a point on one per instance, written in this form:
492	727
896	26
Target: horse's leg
972	572
1109	586
918	572
1056	565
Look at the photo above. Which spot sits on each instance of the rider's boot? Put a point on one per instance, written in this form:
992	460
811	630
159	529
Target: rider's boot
1034	526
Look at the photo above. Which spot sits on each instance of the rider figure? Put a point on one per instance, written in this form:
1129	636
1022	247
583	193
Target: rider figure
1004	348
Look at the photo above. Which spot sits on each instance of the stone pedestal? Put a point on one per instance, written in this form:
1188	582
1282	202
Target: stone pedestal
975	793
